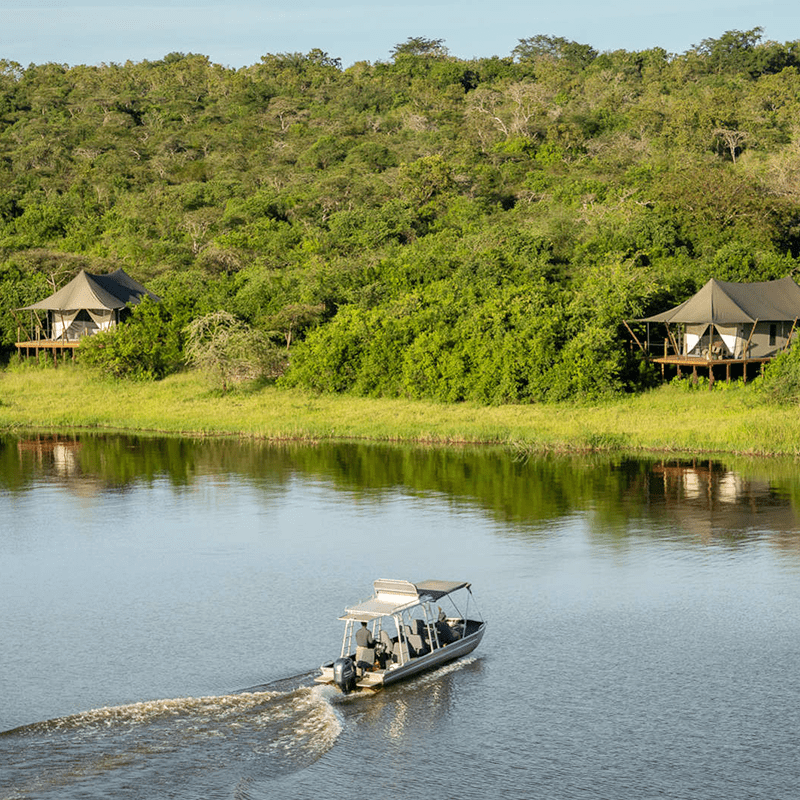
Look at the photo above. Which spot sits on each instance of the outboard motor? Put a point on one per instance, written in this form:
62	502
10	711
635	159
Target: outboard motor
344	674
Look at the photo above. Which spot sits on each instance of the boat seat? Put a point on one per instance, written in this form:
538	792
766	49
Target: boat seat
401	650
365	658
383	649
418	645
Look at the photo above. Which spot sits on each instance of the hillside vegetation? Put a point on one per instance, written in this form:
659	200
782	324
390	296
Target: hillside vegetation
424	227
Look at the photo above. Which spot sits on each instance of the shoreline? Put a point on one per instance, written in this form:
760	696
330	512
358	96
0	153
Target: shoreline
668	420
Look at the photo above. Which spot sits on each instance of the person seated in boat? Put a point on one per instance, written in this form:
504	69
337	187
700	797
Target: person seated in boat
446	633
364	637
365	649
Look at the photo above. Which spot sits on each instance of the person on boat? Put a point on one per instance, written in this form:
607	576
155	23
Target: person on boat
364	637
366	647
446	634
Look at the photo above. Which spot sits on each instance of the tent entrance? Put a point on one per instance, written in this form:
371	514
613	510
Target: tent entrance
72	325
714	341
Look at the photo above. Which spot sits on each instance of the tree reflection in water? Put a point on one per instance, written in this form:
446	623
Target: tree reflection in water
728	500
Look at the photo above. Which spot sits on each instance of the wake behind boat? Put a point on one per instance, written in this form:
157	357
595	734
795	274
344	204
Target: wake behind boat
402	631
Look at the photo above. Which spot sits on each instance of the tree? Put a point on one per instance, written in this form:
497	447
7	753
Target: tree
425	178
295	318
732	139
555	47
229	351
419	46
512	110
731	52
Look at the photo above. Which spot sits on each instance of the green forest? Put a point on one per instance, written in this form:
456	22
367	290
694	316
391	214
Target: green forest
422	227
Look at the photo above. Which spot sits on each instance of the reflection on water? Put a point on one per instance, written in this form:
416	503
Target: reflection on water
702	500
707	500
52	454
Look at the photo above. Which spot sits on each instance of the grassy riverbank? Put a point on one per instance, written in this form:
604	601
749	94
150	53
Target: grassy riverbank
727	420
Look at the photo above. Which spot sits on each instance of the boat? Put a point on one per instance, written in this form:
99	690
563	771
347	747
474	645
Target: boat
401	631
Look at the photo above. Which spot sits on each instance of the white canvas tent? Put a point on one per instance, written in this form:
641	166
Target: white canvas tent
89	304
735	320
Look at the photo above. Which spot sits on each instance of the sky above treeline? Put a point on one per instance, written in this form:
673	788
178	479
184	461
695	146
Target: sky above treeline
237	33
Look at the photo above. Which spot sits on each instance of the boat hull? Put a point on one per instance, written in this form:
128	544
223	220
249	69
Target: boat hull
435	659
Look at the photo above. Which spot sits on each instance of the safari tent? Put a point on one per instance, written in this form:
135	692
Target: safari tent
87	305
733	323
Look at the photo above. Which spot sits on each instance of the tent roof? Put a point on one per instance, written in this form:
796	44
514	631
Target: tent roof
724	303
114	290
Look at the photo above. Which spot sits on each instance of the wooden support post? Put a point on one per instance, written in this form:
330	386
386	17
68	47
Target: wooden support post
728	372
635	339
674	343
710	375
746	352
694	375
791	333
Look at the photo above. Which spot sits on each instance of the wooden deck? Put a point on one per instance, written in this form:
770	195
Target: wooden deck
714	366
53	347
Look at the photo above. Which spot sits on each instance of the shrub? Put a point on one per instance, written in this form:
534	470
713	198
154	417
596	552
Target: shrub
146	346
781	379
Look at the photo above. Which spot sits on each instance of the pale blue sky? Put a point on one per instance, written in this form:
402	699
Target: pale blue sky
236	33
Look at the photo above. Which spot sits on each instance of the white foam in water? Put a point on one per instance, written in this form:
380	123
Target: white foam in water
315	728
453	666
275	732
153	710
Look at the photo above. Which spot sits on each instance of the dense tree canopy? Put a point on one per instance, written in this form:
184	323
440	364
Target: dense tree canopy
426	226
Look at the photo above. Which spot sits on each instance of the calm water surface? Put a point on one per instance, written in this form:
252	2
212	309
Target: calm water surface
164	604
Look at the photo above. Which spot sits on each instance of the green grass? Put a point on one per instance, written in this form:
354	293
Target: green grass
668	419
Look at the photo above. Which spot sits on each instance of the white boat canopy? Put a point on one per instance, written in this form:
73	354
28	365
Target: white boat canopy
392	596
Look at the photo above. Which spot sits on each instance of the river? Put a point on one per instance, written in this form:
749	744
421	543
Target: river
164	604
